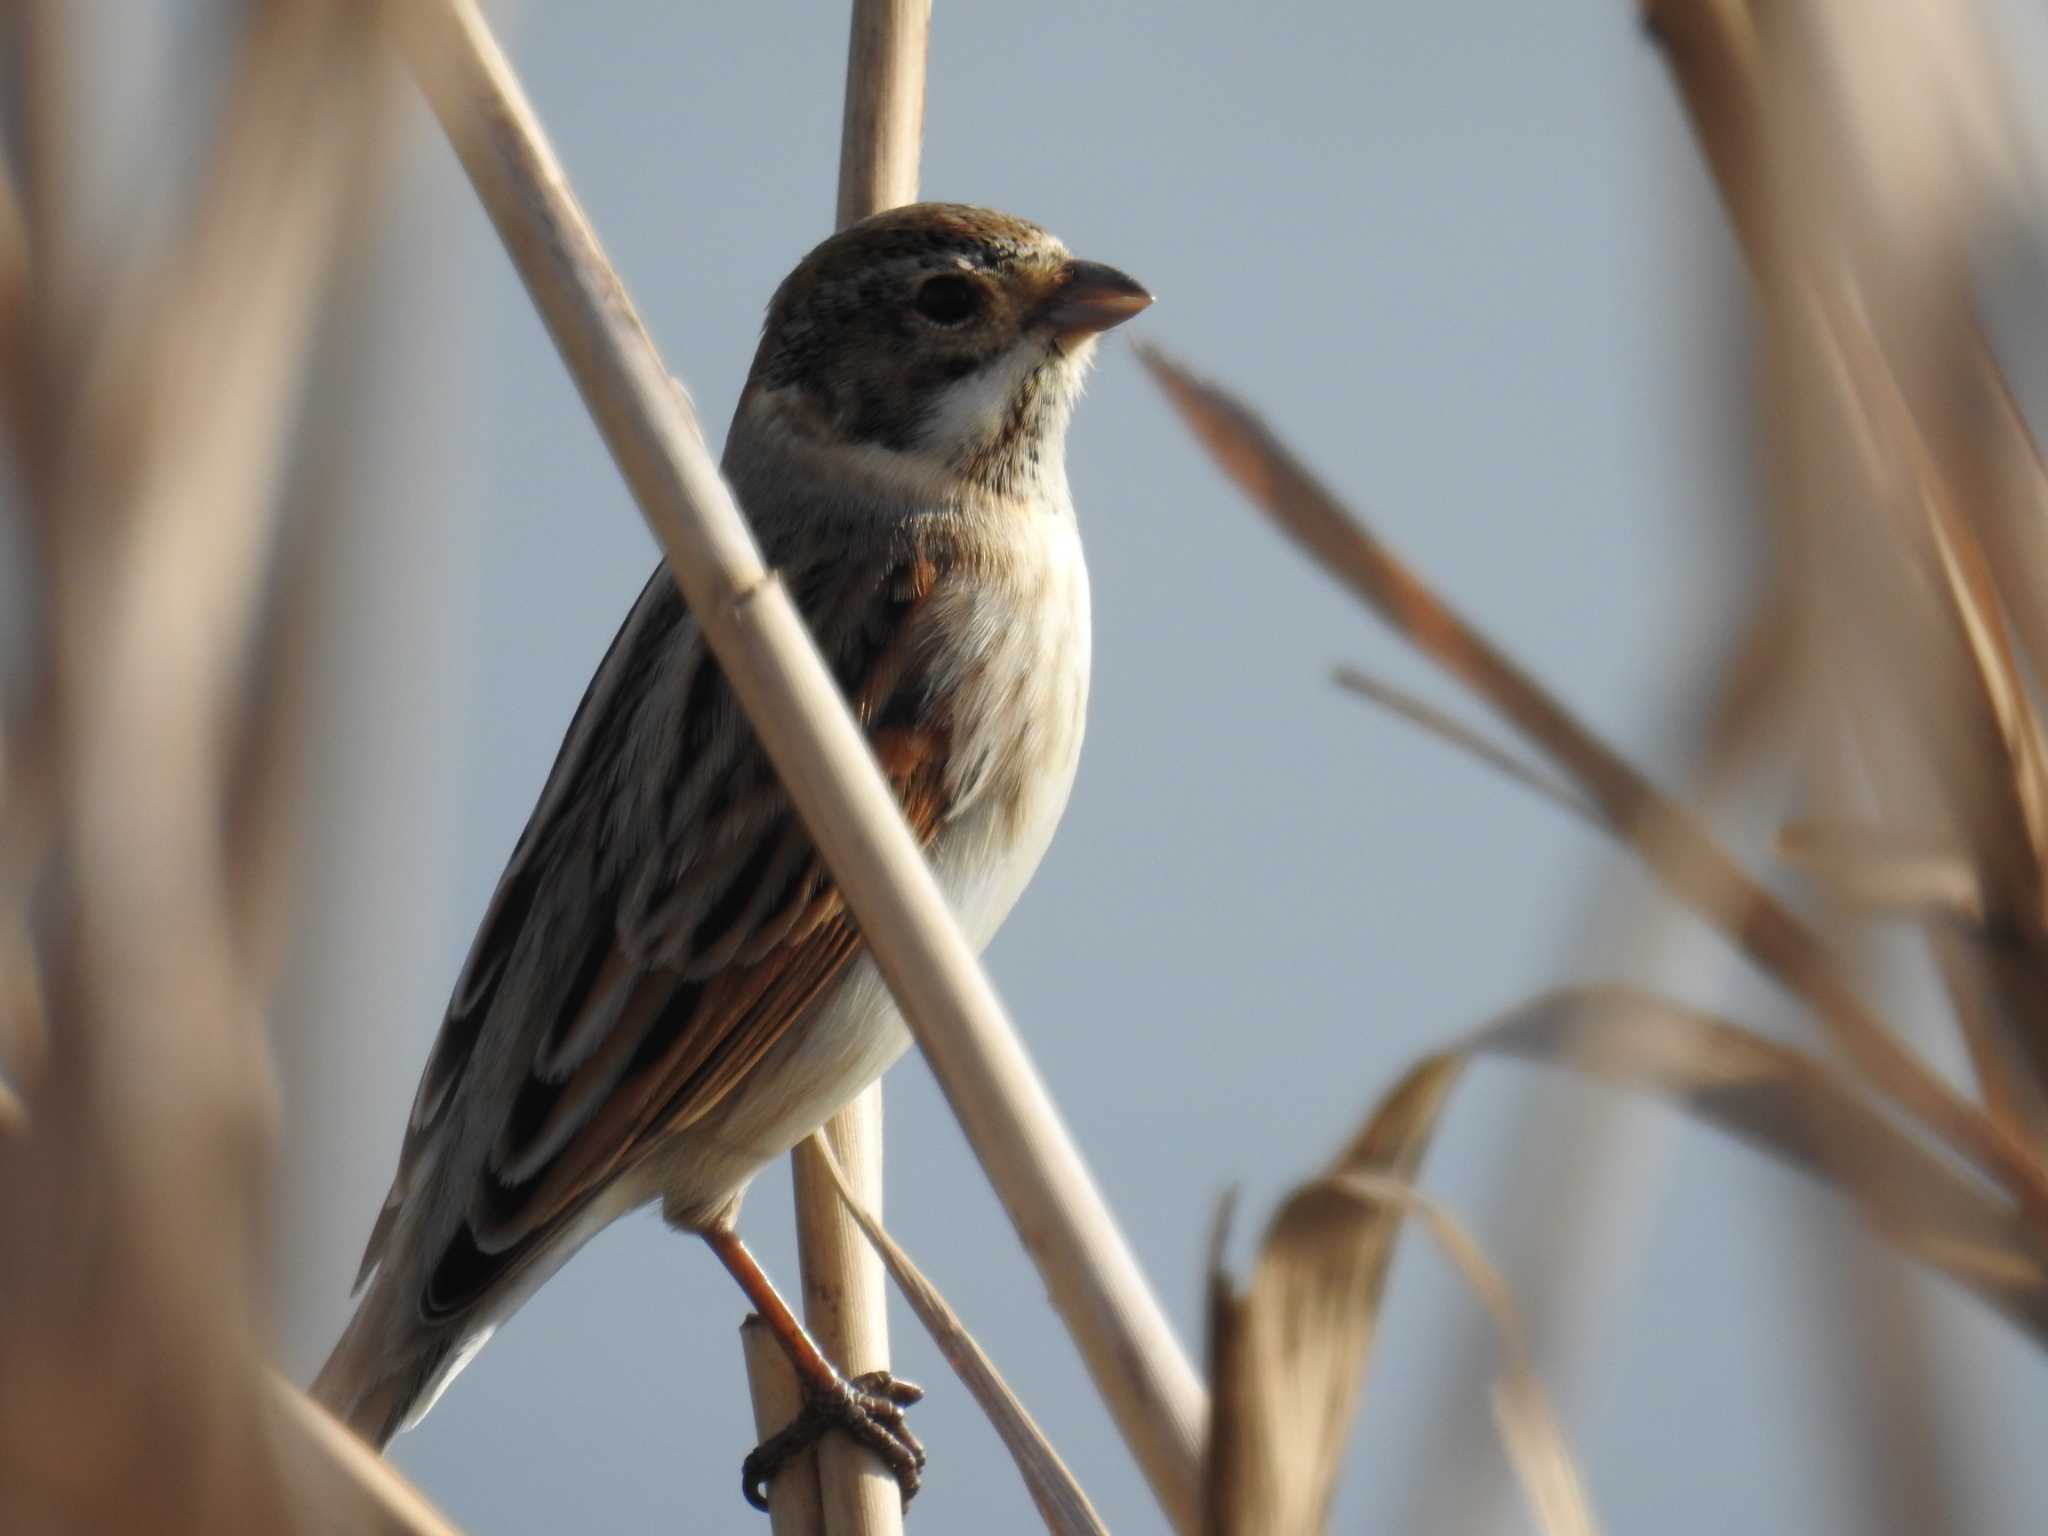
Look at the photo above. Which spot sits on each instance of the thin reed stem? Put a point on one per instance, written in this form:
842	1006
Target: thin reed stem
846	1300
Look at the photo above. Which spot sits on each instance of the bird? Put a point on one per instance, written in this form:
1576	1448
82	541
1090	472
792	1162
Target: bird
667	991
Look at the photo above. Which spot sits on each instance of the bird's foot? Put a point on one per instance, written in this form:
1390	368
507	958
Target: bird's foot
869	1408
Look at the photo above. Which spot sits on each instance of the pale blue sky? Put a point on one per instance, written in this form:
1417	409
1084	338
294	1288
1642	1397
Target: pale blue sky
1466	254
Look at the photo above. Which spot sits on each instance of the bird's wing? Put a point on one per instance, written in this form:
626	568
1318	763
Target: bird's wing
663	921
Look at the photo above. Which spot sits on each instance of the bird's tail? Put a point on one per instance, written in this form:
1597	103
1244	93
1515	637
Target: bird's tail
389	1365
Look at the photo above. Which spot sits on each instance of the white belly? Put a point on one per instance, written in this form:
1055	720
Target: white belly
983	857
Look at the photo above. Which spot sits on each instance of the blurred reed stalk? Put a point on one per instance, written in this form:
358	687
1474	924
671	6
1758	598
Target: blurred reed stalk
1848	214
647	421
846	1302
149	787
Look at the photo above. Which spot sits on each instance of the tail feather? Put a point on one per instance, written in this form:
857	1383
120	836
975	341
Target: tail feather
387	1367
392	1362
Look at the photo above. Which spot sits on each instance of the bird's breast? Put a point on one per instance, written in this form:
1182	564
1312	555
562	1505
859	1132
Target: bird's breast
1011	664
1007	649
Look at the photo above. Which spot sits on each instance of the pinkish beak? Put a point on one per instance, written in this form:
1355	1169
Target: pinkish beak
1090	297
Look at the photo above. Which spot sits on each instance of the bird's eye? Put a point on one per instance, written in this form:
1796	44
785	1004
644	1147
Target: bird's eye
948	300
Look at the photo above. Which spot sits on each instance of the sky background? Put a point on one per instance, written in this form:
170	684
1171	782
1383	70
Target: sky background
1466	255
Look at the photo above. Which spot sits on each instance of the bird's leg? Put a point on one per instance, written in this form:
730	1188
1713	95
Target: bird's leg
869	1408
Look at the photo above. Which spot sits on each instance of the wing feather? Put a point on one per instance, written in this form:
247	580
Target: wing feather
664	921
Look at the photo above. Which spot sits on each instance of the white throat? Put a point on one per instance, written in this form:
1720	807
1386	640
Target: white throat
1023	388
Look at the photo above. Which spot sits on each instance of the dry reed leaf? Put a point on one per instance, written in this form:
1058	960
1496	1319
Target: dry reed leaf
1288	1356
1287	1359
2015	723
1669	839
1894	411
1529	1430
1883	436
1455	733
1794	1106
1876	869
1987	989
1876	281
1060	1499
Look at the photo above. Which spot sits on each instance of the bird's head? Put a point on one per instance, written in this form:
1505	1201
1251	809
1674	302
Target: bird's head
934	344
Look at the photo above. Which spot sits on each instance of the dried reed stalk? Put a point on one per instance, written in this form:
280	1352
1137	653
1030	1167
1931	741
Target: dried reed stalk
767	654
846	1308
794	1504
881	136
1061	1502
150	430
846	1302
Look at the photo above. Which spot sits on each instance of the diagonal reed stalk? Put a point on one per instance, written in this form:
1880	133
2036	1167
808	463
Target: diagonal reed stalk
760	640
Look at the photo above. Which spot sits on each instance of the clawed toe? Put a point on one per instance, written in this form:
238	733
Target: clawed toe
869	1408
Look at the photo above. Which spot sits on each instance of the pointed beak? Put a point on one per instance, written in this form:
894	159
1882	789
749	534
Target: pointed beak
1088	297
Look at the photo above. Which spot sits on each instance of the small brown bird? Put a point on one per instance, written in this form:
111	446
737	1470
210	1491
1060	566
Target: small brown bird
667	991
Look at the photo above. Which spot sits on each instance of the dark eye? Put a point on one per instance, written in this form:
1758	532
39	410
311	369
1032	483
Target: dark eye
948	300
